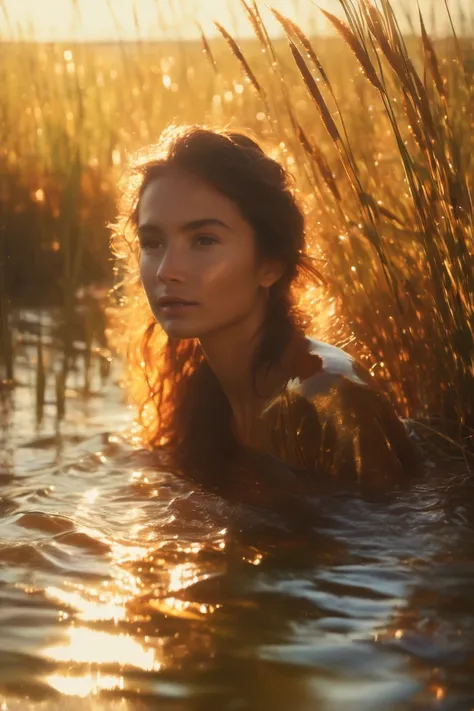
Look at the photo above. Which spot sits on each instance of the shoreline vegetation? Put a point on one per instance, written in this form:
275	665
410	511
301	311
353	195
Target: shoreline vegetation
377	128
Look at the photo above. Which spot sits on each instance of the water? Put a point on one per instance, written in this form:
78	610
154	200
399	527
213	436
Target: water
122	588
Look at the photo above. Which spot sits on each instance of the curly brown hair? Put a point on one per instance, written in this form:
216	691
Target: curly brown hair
181	405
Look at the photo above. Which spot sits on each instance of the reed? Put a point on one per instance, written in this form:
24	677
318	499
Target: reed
40	378
6	340
430	276
376	127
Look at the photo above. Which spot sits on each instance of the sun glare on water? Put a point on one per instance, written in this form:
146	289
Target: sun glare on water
92	647
86	656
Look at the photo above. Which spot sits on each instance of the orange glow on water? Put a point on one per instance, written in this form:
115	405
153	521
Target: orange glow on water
92	647
83	686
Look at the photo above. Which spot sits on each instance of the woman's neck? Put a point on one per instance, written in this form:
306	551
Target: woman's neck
230	354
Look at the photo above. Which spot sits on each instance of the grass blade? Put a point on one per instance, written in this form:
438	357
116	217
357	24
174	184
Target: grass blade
315	93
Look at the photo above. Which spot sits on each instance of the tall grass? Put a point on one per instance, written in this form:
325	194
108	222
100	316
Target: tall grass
376	127
405	269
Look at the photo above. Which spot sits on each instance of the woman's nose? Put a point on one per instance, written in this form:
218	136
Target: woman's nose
171	266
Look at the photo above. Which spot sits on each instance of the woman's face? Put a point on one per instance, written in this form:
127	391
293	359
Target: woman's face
195	246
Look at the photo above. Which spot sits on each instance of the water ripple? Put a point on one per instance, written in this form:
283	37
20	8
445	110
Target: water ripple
124	588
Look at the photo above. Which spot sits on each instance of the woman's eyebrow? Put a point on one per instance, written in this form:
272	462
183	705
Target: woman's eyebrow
185	227
147	228
204	222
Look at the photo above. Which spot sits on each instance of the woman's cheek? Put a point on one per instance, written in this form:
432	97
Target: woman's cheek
146	270
213	276
223	269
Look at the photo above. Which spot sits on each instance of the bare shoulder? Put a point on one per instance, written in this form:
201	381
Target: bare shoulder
355	416
324	368
333	420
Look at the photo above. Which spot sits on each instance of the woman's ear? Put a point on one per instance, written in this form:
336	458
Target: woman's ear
270	272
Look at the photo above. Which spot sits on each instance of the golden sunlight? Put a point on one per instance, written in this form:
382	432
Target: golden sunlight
182	576
97	606
93	20
102	19
94	647
83	686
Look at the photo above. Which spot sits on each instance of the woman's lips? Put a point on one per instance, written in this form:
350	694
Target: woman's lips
176	308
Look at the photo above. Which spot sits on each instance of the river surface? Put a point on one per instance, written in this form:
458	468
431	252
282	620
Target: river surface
123	588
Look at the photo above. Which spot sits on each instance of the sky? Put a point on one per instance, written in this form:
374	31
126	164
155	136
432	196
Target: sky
69	20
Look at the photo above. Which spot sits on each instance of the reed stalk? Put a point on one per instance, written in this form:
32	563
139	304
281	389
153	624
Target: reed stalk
40	378
6	335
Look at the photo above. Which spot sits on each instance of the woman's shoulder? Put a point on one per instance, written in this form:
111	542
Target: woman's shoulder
322	367
342	417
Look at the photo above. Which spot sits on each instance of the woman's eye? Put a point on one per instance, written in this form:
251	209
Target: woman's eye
151	243
206	240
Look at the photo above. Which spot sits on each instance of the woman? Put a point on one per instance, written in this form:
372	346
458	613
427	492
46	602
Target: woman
242	401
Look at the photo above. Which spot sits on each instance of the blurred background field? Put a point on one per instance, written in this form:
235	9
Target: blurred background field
374	120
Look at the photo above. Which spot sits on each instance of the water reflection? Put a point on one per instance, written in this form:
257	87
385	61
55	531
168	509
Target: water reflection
92	647
97	606
83	686
146	590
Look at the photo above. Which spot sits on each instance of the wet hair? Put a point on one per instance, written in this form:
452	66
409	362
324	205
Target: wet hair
182	408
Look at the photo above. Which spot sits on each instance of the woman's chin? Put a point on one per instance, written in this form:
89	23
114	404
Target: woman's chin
180	331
